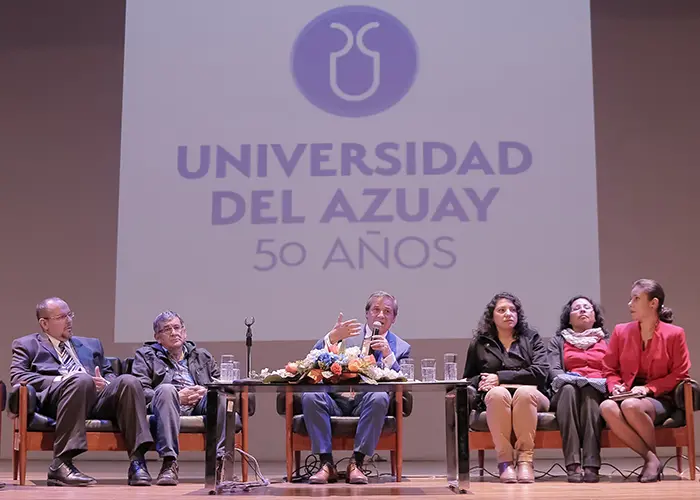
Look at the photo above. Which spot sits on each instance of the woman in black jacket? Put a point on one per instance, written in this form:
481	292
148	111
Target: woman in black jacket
575	356
507	364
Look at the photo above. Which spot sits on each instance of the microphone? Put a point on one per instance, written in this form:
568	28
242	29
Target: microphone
377	325
248	322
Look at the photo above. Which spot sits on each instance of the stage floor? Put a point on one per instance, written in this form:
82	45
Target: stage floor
419	483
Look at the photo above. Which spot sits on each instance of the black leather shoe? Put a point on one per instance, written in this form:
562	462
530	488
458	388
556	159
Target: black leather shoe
574	474
138	474
169	474
68	474
590	475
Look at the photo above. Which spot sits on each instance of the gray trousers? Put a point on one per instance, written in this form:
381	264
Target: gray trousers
580	424
74	399
165	406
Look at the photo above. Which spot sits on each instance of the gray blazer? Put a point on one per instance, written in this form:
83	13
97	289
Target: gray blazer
36	362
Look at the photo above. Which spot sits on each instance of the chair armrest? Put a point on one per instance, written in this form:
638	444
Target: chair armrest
251	403
679	399
13	402
127	365
116	365
281	402
3	395
472	396
407	404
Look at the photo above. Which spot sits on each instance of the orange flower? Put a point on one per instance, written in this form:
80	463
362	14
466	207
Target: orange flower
336	369
315	375
355	365
370	359
292	368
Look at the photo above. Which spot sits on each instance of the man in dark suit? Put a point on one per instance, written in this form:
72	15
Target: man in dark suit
388	350
73	382
173	372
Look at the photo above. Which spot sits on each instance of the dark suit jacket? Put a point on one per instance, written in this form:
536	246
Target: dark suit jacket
36	362
153	367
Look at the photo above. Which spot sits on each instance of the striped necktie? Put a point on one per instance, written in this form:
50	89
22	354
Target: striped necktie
67	360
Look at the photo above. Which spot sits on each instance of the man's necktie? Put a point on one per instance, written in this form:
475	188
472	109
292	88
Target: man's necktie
67	360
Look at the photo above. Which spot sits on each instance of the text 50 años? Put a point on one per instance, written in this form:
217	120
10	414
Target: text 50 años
371	250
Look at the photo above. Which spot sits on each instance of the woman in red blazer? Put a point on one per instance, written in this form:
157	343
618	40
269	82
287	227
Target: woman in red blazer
648	357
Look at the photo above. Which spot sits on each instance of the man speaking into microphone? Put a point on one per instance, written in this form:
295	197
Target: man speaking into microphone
388	349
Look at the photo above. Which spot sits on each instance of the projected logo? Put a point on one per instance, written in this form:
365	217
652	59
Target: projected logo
354	61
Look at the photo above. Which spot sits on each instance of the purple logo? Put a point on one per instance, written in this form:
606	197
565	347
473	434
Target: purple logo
354	61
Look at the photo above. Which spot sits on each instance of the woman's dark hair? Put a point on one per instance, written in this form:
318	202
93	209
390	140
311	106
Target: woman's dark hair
488	327
654	291
565	318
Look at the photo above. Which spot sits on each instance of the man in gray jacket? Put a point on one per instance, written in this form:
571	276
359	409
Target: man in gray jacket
173	372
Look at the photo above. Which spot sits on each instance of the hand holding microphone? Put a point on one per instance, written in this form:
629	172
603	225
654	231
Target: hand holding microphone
378	342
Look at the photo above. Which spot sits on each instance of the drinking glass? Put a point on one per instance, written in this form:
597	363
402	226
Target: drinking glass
226	367
407	368
235	371
450	366
427	367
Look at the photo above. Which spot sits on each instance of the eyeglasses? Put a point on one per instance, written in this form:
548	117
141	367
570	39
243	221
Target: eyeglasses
171	328
62	317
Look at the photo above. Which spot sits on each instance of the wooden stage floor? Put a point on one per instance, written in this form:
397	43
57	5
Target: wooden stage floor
419	483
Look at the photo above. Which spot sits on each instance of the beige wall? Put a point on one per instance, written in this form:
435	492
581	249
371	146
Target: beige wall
60	106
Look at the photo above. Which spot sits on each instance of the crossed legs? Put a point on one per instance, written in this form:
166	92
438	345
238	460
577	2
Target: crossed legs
633	422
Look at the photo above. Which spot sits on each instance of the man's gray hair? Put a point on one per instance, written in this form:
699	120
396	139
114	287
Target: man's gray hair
382	295
42	308
164	317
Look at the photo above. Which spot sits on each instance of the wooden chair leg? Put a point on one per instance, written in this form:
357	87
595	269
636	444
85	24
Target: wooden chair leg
15	452
679	459
23	397
244	433
399	466
15	464
399	434
15	449
289	416
297	460
481	455
689	426
393	463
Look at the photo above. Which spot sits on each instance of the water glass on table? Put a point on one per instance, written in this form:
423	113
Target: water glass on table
427	367
407	368
450	366
236	372
226	367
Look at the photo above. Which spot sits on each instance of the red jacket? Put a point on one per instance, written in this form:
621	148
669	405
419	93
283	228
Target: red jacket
668	358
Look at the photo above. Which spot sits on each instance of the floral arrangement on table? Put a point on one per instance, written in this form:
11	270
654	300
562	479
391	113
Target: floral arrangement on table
333	366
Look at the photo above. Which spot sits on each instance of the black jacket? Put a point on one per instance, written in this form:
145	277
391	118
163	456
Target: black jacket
555	355
152	366
525	363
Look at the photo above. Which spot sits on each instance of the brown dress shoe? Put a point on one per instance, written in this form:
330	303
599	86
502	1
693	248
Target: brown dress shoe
327	474
525	472
354	475
506	472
